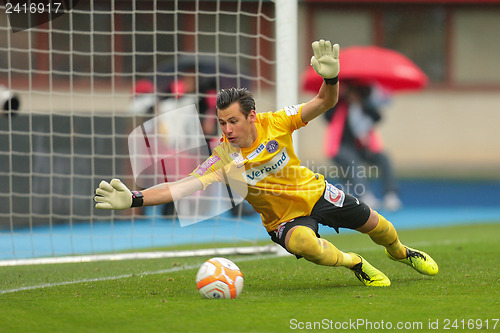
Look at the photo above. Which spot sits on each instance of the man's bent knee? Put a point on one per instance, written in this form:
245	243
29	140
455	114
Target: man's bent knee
370	224
302	241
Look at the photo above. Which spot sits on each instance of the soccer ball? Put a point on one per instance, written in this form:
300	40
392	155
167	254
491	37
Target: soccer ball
219	278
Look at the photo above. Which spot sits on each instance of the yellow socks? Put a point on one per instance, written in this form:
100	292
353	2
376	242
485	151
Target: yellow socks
350	260
384	234
304	242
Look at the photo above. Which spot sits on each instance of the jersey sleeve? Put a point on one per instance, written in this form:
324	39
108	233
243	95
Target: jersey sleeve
209	171
290	117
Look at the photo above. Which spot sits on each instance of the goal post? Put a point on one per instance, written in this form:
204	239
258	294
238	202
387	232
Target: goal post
74	88
286	53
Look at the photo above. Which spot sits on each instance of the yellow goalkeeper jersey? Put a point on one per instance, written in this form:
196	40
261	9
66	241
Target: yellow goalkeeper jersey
268	174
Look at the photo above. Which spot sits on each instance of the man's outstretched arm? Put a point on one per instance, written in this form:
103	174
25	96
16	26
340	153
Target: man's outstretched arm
116	195
325	62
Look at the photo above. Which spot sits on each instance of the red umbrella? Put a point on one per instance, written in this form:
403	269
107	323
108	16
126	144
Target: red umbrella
368	64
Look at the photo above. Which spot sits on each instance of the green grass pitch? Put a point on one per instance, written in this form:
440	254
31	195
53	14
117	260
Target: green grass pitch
281	294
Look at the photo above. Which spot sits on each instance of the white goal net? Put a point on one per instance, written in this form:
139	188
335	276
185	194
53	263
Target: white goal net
73	86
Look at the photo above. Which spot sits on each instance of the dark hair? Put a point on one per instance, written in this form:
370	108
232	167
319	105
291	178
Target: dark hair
226	97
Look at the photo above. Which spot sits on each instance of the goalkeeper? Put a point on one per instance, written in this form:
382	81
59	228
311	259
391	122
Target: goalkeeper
256	152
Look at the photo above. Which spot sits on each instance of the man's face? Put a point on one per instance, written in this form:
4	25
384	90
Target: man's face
239	131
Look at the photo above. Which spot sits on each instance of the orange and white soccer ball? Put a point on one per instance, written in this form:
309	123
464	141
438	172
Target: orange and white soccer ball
219	278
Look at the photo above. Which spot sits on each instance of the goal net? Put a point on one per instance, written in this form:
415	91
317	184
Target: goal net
74	86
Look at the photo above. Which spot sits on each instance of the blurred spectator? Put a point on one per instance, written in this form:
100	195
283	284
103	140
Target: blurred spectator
356	147
178	93
185	90
174	95
9	101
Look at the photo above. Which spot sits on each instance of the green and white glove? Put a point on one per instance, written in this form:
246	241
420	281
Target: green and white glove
113	195
325	60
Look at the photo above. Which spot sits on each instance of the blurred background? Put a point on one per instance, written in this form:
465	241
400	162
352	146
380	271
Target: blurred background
447	129
74	87
448	126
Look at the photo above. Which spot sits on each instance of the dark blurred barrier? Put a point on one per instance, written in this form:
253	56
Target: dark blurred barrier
51	164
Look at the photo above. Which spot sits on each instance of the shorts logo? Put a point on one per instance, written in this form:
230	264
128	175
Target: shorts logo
272	146
279	230
334	195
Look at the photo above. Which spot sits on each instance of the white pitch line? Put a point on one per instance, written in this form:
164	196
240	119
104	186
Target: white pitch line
106	278
183	268
272	248
125	276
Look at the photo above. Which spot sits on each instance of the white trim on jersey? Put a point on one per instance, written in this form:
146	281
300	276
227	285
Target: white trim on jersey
292	109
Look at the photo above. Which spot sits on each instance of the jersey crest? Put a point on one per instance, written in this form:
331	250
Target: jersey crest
272	146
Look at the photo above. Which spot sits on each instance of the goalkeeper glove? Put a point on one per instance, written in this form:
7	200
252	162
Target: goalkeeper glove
325	60
116	195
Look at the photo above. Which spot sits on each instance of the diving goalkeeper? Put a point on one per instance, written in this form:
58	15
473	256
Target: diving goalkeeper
256	155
